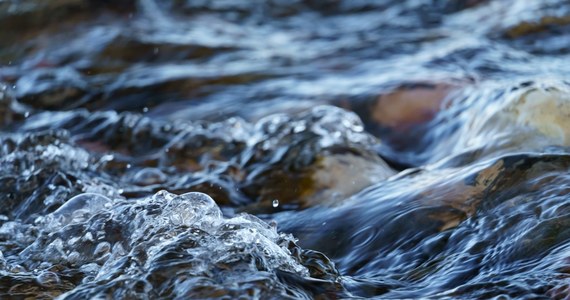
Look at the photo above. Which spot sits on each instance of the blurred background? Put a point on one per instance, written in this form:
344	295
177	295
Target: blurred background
212	60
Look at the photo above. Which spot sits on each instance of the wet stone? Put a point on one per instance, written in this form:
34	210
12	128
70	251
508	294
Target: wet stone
450	211
311	157
529	118
302	159
403	116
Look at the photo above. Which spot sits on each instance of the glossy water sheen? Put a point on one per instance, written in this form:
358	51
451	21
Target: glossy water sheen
390	149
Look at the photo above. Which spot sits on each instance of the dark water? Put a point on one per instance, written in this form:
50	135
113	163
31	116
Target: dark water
284	149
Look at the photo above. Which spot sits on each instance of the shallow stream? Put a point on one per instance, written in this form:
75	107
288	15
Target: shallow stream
284	149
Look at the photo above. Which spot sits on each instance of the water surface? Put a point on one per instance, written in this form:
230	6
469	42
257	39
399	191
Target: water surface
284	149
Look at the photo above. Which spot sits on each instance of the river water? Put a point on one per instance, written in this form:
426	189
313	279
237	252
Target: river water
284	149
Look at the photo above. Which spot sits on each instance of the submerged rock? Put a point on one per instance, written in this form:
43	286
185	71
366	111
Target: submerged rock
530	118
449	229
483	121
402	117
534	26
545	110
524	19
320	156
317	157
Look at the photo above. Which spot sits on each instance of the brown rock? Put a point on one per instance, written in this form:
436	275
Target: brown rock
406	107
529	27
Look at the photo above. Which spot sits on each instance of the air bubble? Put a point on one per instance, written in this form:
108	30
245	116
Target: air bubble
78	209
47	278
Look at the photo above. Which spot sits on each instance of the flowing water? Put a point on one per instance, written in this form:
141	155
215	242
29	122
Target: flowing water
284	149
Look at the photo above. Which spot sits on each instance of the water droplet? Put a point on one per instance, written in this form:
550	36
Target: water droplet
275	203
145	109
26	114
129	166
